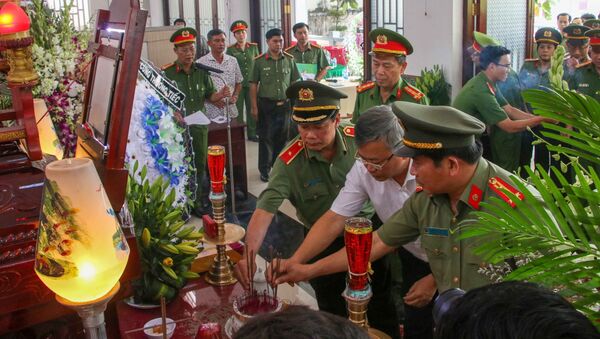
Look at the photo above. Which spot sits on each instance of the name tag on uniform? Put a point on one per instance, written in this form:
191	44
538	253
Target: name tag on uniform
266	68
440	232
583	84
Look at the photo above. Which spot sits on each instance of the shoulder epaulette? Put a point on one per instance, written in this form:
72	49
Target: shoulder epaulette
291	47
167	66
288	54
290	153
414	92
584	64
252	43
315	45
418	189
491	88
532	59
259	56
348	131
232	45
501	187
365	86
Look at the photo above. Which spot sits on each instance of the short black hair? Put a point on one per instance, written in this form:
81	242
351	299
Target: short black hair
298	26
469	154
178	20
273	32
513	310
587	16
302	323
214	32
491	55
563	14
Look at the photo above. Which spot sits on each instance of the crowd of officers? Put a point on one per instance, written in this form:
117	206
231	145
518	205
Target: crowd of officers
417	171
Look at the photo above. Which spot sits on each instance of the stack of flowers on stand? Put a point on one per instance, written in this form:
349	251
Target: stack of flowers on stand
60	58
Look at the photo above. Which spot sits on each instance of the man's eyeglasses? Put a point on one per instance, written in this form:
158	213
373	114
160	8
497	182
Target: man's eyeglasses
503	65
376	167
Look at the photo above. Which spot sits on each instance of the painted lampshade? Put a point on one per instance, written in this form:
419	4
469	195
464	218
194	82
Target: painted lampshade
216	167
358	237
81	251
13	19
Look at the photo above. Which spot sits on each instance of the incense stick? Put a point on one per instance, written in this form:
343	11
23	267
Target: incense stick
163	314
149	327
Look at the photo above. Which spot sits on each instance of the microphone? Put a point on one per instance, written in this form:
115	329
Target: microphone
208	68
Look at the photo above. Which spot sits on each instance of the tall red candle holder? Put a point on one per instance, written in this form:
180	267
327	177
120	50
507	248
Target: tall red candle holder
221	270
358	237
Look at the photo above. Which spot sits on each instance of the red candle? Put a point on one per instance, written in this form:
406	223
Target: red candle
358	237
216	167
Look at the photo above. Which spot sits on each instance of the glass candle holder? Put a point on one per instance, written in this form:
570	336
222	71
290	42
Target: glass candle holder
358	236
216	167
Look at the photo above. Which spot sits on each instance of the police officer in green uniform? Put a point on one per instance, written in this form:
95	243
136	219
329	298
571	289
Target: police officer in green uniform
388	62
481	98
534	74
272	73
592	24
197	87
587	76
244	52
577	46
438	138
306	52
310	172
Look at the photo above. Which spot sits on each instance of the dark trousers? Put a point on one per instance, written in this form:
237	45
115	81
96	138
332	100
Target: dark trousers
381	312
418	322
273	130
244	100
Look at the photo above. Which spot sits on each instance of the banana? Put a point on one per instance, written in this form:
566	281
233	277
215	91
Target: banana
194	235
176	226
184	232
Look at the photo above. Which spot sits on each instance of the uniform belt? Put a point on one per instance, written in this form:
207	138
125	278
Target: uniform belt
276	102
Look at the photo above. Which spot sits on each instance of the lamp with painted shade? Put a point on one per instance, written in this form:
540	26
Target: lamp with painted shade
16	40
81	251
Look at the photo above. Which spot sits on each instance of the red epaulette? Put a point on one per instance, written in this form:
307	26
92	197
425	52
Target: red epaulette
288	54
252	43
418	189
475	196
349	131
365	86
413	92
584	64
315	45
491	88
290	153
501	187
259	56
232	45
287	49
163	67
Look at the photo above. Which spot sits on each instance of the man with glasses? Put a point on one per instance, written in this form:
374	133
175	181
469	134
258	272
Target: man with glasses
578	45
309	172
481	98
388	63
382	177
197	87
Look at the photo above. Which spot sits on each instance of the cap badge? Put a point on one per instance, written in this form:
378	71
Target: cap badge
547	34
382	39
306	94
577	31
185	34
596	25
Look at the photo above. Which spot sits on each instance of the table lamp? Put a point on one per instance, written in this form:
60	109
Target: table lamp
15	38
81	251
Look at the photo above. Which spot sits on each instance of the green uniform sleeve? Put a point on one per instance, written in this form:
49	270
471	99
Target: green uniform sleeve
355	112
277	190
210	86
254	73
489	108
500	97
322	62
295	75
402	227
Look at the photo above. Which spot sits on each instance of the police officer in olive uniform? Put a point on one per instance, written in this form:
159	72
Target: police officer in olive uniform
388	62
197	86
577	46
534	74
587	75
436	137
306	52
310	172
273	72
481	98
244	52
592	24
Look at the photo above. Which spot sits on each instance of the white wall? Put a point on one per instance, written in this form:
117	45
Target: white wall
434	28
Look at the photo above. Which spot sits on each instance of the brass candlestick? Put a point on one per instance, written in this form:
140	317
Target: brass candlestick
221	271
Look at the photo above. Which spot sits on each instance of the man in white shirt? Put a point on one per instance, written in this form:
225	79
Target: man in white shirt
231	76
384	178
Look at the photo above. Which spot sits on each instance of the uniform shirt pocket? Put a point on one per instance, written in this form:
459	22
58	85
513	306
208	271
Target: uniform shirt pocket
438	253
313	191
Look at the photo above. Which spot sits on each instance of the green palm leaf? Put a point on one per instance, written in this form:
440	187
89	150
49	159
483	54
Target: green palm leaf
554	232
